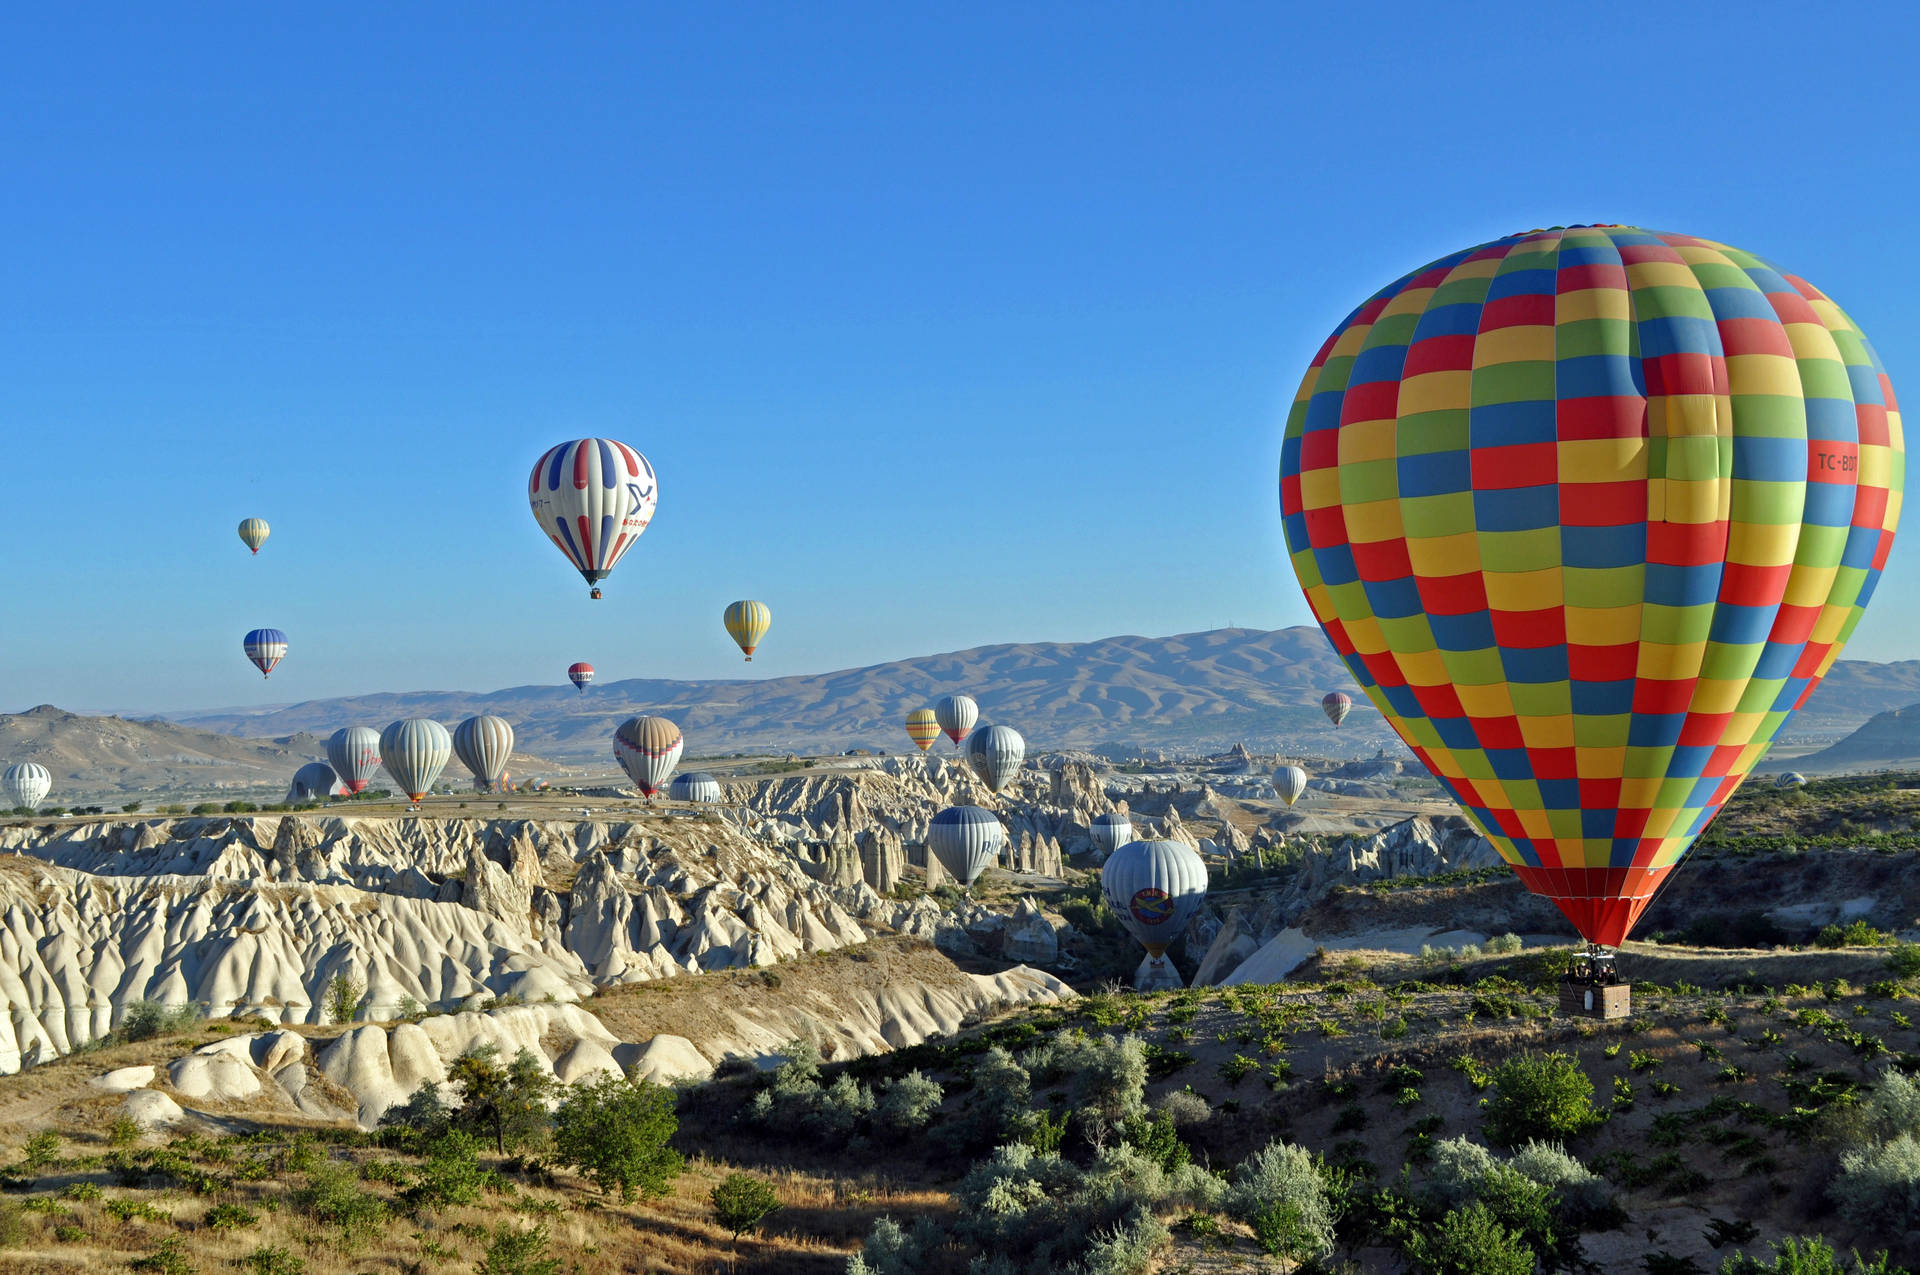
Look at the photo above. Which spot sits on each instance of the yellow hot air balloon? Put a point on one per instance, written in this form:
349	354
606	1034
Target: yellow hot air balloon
747	622
254	532
923	728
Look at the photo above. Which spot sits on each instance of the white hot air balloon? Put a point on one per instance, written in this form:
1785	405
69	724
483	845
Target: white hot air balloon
415	750
26	785
1154	889
1289	782
966	840
483	744
956	715
995	753
354	754
648	748
1110	832
314	781
695	785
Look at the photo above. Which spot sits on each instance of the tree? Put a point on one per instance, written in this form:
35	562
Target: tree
617	1132
1539	1096
342	998
1469	1241
741	1202
507	1103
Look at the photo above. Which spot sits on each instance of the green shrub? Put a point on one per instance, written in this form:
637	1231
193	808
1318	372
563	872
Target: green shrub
1154	1137
1904	960
169	1257
333	1197
617	1132
342	998
1279	1191
1855	934
1127	1248
40	1152
1878	1187
1468	1241
909	1103
146	1019
450	1172
229	1216
741	1202
1543	1097
518	1251
1797	1256
268	1260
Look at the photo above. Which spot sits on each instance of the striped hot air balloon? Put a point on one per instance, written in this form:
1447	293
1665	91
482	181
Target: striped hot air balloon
312	782
966	840
648	748
354	754
1289	782
956	715
266	648
1111	831
695	785
1588	513
747	622
1791	779
415	750
25	784
923	728
1336	705
581	675
254	533
484	744
593	497
995	754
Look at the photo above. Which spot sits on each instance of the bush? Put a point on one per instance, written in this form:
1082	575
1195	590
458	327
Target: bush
230	1217
518	1251
425	1115
891	1250
1797	1256
617	1132
40	1152
1109	1077
1904	960
333	1197
1127	1248
1469	1241
1585	1192
342	998
509	1103
909	1103
1154	1137
268	1260
169	1257
998	1106
1893	1108
146	1019
741	1202
1878	1188
1458	1168
450	1172
1278	1191
1542	1097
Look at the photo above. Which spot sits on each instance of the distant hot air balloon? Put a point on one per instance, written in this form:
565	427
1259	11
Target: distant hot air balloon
966	840
1111	831
483	745
1289	782
747	622
593	497
266	648
1336	705
25	785
312	782
1588	513
695	785
923	728
1791	779
581	675
415	750
995	753
254	532
354	754
1154	889
648	748
956	715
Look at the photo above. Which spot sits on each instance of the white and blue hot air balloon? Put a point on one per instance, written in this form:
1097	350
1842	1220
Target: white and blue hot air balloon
1111	831
593	497
483	744
695	785
265	648
314	781
966	840
995	754
1154	889
415	750
25	785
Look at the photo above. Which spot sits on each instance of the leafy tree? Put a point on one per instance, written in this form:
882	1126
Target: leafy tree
910	1102
618	1132
342	998
1539	1096
741	1202
450	1173
1468	1241
423	1116
507	1103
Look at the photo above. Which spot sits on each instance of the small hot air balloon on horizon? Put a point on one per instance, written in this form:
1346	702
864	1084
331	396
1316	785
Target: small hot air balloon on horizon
254	533
956	715
1336	705
648	748
354	754
923	728
1588	513
415	750
747	622
265	648
581	675
593	497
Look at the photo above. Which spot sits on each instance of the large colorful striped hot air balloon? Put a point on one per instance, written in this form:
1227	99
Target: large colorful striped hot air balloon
747	622
923	728
1336	705
266	648
581	675
648	748
254	533
956	715
354	754
1588	513
484	744
593	497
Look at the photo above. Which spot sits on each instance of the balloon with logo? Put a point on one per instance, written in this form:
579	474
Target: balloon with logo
253	533
923	728
747	622
593	497
648	748
956	715
995	754
1336	705
1289	782
265	648
484	744
581	675
966	840
25	785
354	754
1154	889
415	750
1588	513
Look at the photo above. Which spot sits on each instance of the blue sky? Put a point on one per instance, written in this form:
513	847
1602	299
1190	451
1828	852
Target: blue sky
941	327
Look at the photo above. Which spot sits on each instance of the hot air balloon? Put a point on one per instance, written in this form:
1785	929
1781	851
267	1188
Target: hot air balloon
966	840
995	753
956	715
254	532
354	754
25	785
415	750
312	782
695	785
648	748
1588	513
1110	832
593	497
266	648
747	622
1336	705
1791	779
483	745
1154	888
1289	782
581	675
923	728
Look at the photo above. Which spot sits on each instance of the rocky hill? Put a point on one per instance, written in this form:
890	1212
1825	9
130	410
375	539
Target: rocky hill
1889	740
95	757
